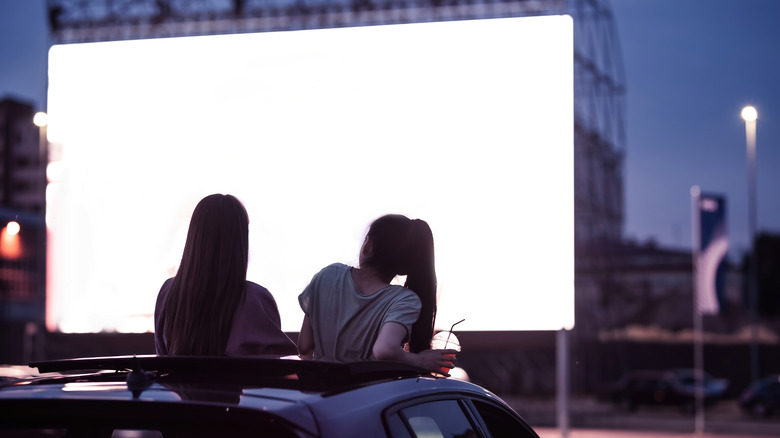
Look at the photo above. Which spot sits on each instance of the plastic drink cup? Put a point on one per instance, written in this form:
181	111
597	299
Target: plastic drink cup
445	340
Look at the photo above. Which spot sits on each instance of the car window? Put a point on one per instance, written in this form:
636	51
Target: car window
396	427
438	419
500	423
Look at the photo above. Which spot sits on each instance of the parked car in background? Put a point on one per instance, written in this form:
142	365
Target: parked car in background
714	388
151	396
675	387
762	398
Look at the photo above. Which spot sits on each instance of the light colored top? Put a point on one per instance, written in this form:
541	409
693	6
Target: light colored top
256	328
345	324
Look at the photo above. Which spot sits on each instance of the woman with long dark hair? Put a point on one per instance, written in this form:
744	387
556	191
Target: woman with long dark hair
209	307
355	313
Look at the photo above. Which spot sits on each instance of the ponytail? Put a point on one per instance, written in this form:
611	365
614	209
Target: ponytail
421	279
403	246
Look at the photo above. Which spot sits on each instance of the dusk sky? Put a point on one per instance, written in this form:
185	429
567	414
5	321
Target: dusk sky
690	68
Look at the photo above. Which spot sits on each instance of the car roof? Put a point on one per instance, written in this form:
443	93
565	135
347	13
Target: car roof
304	394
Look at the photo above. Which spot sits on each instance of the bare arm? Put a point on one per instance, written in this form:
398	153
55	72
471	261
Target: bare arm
306	339
388	347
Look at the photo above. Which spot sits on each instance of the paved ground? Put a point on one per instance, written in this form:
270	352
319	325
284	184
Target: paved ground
590	418
606	433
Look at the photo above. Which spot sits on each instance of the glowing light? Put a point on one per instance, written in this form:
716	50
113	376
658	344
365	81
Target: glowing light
94	386
41	119
749	114
13	228
709	204
10	244
54	171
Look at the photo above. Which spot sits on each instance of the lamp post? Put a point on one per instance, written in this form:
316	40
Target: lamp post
33	343
749	114
41	120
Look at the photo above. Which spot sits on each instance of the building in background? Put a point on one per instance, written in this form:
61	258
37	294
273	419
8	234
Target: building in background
23	164
768	255
22	233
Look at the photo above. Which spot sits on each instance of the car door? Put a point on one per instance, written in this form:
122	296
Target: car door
441	417
454	417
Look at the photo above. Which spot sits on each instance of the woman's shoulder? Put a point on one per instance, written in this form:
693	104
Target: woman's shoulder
400	299
333	270
255	289
257	295
165	288
405	292
397	293
162	296
337	267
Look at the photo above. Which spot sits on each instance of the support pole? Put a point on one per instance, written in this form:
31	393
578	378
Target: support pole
562	388
750	138
698	351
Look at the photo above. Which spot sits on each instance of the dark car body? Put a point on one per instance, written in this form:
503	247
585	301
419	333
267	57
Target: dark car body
762	397
264	397
676	387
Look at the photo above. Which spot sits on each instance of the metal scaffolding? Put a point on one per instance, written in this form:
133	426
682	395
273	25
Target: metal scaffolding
599	102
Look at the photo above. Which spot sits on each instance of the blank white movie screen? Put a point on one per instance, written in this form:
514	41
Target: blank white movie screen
465	124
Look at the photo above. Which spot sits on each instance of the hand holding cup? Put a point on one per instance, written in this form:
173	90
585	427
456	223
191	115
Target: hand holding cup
447	344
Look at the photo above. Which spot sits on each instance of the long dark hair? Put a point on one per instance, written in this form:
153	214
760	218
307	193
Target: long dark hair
401	246
211	281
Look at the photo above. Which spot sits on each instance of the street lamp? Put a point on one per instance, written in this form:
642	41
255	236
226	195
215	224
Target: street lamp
41	120
750	115
32	342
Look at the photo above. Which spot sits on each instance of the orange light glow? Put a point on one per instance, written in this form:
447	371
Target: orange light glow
10	244
13	228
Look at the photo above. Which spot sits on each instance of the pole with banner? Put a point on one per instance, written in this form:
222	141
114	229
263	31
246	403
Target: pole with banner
710	245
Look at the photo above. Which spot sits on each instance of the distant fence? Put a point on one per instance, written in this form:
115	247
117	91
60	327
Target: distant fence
527	365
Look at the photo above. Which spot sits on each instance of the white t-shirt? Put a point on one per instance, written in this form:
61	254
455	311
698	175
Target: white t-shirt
344	322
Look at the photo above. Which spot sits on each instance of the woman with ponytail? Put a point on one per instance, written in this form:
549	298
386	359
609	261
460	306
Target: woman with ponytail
355	313
209	308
